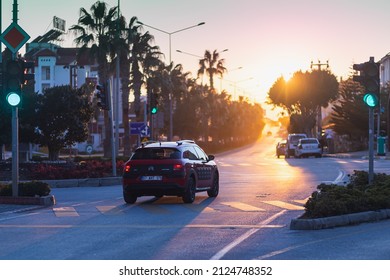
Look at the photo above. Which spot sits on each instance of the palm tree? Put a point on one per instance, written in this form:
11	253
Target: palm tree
143	58
95	32
211	65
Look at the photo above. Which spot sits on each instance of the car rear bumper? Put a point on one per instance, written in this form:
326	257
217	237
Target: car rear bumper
153	188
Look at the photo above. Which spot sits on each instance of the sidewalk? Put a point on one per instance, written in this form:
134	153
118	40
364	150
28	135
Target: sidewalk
359	154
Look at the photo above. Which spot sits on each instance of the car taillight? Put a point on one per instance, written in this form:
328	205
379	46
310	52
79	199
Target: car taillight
127	167
177	167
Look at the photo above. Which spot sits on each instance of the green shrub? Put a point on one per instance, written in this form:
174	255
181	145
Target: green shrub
33	188
357	196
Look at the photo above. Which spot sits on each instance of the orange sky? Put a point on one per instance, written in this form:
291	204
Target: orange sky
266	38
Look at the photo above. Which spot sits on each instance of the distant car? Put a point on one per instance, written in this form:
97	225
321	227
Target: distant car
308	147
281	148
179	168
292	142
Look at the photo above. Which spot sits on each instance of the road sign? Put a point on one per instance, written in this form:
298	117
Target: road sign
14	37
89	149
139	128
145	131
135	127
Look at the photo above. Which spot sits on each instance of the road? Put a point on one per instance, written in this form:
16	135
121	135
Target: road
249	220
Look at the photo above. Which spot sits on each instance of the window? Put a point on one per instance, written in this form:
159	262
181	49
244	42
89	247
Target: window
45	86
156	153
190	154
201	154
45	73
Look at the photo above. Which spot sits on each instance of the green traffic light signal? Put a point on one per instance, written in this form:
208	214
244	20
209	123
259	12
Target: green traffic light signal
154	110
370	100
13	99
369	78
12	74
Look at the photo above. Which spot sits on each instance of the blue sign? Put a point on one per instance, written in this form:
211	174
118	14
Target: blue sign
139	128
144	132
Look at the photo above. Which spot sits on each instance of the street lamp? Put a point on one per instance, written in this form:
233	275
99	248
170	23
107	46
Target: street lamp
235	85
170	62
228	71
191	54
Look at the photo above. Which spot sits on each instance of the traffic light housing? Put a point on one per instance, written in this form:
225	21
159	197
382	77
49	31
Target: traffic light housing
102	97
153	103
12	74
28	75
369	78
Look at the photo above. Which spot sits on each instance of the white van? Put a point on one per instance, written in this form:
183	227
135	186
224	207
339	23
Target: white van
292	141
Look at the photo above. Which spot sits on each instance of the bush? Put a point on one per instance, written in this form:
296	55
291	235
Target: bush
88	168
357	196
32	189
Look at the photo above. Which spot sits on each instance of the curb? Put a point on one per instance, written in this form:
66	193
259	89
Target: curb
88	182
48	200
337	221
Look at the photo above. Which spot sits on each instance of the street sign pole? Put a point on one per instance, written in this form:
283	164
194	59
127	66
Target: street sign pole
110	93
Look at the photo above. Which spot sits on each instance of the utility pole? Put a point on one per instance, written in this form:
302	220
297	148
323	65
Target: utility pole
319	112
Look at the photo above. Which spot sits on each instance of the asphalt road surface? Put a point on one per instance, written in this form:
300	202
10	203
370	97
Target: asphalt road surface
249	220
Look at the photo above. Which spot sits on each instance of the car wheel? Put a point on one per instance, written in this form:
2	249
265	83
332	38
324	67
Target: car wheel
215	188
189	193
129	198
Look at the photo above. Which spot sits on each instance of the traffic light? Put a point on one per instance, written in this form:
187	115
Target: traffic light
369	78
12	74
102	97
153	103
27	71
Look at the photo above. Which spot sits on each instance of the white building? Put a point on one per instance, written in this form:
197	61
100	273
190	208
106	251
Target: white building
56	66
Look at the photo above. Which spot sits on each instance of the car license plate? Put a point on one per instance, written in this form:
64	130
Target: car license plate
151	178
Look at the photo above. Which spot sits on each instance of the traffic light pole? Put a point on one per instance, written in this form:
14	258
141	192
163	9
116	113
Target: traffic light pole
370	145
15	128
370	79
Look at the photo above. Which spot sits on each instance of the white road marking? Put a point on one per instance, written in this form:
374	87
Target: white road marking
65	212
243	206
283	204
245	236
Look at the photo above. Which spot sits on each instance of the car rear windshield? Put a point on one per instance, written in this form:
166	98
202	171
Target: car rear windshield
295	138
156	153
309	141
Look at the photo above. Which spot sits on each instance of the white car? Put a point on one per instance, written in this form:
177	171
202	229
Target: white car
292	142
308	147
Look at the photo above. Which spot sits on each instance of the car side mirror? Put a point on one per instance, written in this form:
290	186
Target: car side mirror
211	157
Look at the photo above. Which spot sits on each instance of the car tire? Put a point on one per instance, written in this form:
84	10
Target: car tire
189	193
213	192
129	198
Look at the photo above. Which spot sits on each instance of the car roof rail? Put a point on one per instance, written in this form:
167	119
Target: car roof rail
180	142
143	144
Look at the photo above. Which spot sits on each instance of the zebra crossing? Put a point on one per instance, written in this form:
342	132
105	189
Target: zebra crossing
168	205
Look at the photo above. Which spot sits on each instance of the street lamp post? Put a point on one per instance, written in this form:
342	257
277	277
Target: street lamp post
234	84
170	62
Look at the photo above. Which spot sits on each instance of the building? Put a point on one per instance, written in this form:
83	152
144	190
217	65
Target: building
56	66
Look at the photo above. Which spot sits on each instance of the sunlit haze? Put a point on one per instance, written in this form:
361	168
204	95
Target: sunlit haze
266	38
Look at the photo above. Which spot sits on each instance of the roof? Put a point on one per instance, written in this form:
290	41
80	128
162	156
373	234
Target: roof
64	56
167	144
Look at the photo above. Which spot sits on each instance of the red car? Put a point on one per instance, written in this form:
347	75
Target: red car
170	168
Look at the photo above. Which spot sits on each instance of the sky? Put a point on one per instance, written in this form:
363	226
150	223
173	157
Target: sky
265	38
